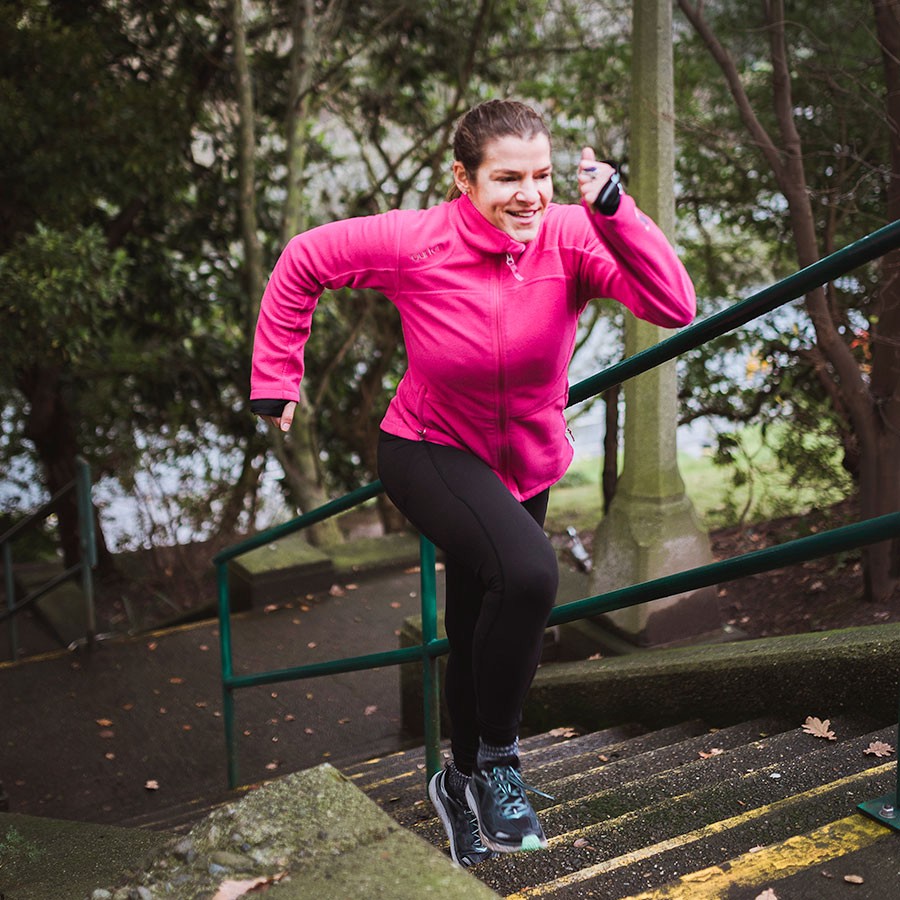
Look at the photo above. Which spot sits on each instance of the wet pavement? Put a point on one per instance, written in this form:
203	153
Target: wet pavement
134	726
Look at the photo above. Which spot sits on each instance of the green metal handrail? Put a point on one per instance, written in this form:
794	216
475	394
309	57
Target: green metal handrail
81	485
837	540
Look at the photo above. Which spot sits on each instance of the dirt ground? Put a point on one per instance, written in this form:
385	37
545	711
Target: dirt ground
813	596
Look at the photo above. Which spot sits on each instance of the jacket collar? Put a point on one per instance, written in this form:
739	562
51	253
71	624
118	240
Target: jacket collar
481	234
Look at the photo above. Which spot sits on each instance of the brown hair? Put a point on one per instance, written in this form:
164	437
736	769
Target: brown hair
486	122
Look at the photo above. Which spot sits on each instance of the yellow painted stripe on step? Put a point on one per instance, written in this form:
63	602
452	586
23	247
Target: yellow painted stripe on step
794	855
627	859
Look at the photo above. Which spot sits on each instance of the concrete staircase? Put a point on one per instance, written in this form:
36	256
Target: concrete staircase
685	812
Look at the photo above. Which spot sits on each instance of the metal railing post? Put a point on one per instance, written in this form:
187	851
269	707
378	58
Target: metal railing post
88	544
431	679
10	601
227	672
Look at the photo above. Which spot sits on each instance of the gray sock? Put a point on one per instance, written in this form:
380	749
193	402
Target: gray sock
456	783
504	754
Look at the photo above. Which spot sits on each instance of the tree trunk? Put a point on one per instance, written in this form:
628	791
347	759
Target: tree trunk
610	473
885	333
50	426
298	457
878	491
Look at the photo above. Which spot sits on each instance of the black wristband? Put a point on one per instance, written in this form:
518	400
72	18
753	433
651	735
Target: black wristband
273	408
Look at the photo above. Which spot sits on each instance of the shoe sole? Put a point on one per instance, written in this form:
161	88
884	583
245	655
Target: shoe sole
442	815
528	843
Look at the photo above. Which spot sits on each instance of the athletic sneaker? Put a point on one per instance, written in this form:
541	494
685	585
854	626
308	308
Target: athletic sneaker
505	818
459	822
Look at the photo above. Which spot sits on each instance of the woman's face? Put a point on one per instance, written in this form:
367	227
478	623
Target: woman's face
513	184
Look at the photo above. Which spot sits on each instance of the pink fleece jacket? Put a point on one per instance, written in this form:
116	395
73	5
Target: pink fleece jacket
489	323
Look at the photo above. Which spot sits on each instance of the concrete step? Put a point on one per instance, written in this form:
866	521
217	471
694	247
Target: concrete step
595	786
655	814
306	836
398	783
650	838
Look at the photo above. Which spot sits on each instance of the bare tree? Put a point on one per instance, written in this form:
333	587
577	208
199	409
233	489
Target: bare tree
870	401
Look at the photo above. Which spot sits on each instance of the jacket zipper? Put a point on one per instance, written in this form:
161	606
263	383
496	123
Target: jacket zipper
502	415
512	267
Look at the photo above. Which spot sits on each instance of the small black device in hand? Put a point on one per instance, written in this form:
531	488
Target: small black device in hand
607	201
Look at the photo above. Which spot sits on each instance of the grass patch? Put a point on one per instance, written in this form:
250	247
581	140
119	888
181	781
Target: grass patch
754	488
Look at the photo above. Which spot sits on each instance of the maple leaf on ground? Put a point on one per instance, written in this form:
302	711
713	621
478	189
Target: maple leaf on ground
879	749
818	728
565	732
232	889
715	751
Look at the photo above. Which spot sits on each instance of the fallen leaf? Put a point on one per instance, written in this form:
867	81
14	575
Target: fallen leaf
176	680
106	734
270	608
201	704
231	889
104	723
767	894
151	785
152	645
854	879
565	732
370	710
715	751
109	755
289	718
308	731
343	721
204	647
351	587
596	656
396	604
272	766
311	645
879	748
581	842
336	591
603	757
818	728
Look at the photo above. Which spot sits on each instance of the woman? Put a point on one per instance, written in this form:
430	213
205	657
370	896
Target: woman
489	287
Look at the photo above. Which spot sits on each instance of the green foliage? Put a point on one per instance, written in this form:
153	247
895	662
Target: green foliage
61	292
15	848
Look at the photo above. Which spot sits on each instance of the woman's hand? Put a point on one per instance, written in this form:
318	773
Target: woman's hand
283	422
593	175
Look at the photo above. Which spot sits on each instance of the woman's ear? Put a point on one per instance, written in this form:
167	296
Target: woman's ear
460	178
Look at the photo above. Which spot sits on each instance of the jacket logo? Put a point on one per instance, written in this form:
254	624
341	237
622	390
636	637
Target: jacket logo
431	251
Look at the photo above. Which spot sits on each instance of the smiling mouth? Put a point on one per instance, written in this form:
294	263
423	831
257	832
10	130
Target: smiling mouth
523	213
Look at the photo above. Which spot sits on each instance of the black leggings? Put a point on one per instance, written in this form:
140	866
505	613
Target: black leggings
501	575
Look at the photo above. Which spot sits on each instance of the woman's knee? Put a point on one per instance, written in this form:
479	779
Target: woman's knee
533	581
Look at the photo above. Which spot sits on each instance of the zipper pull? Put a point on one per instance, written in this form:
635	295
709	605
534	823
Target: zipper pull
512	267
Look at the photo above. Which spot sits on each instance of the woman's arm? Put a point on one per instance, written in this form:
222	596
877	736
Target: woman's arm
359	253
648	277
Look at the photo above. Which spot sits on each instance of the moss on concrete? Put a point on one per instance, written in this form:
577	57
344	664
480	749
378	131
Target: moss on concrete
289	552
367	554
48	859
314	832
810	674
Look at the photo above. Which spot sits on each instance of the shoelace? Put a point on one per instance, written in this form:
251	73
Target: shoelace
477	844
509	791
